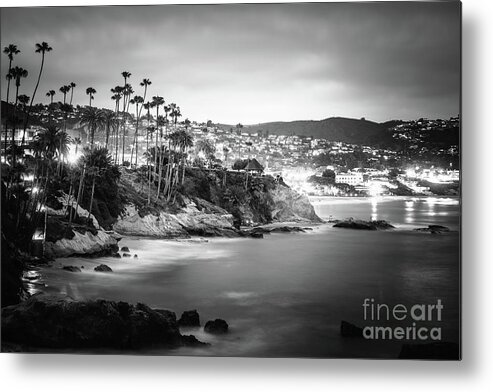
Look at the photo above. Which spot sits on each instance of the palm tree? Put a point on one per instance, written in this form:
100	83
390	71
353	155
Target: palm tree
77	142
42	48
93	118
51	94
136	100
226	152
207	147
72	86
64	90
239	126
90	91
127	93
156	102
17	73
185	141
109	123
117	95
10	51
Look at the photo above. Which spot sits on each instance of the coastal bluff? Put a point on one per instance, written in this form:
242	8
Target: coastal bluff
199	217
204	207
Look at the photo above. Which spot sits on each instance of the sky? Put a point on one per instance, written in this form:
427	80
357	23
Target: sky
234	63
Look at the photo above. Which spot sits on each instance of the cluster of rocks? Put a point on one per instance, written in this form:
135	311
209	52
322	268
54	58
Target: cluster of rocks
434	229
191	318
259	232
59	322
357	224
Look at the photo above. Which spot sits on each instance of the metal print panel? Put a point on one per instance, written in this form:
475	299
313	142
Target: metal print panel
259	180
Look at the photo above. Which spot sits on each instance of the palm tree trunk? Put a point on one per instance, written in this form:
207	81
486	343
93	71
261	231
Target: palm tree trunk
80	190
26	120
92	197
6	122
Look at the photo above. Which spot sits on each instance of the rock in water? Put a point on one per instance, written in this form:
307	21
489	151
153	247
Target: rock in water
127	255
54	321
434	229
124	249
349	330
217	326
189	318
117	256
103	268
71	268
364	225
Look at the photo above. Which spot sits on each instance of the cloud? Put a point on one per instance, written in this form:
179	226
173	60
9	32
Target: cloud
253	63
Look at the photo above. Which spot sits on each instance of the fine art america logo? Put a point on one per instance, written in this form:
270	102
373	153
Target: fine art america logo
412	316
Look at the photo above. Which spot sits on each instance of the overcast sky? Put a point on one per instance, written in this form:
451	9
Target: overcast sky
251	63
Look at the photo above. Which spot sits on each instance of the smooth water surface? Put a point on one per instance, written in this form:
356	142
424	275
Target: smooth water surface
286	294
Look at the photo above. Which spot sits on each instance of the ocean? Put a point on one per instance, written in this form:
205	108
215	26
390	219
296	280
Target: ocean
286	295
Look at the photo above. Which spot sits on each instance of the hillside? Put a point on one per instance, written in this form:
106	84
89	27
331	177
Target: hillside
341	129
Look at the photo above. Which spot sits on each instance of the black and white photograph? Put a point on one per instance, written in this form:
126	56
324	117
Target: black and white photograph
232	180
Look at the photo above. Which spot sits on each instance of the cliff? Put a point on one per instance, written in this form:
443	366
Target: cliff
209	203
213	203
83	237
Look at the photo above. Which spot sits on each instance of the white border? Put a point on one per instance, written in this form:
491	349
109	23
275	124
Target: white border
119	373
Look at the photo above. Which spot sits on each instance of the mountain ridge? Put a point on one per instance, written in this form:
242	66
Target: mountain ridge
342	129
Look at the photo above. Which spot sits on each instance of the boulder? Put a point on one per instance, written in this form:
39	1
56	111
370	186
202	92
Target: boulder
59	322
434	229
135	256
217	326
124	249
256	235
364	225
189	318
71	268
117	256
349	330
127	255
103	268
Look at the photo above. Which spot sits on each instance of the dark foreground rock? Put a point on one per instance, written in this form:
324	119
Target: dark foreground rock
217	326
364	225
71	268
59	322
438	350
434	229
349	330
102	268
189	318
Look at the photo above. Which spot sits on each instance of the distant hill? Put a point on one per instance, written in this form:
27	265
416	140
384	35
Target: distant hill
341	129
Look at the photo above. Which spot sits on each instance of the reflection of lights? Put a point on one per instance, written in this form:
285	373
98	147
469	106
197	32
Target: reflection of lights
374	205
35	189
375	189
28	177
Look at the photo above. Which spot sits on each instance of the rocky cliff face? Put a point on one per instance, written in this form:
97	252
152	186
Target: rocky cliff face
64	241
198	217
86	243
277	203
290	206
59	322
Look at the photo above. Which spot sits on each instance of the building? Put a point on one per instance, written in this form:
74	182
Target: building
349	178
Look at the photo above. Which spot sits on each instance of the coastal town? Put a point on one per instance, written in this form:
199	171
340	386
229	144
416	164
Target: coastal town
313	166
